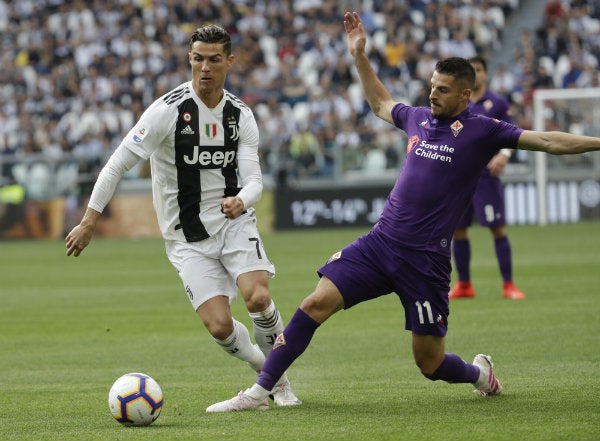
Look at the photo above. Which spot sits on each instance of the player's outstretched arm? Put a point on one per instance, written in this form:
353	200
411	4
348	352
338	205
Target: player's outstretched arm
378	97
557	143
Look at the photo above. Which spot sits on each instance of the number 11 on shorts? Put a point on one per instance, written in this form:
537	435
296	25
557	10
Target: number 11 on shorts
427	306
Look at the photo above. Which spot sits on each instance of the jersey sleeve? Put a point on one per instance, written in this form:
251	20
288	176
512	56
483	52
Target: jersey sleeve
252	184
151	129
248	161
506	135
120	161
249	137
402	115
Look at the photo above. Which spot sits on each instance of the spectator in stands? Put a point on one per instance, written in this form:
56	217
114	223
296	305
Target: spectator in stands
81	53
503	81
305	151
553	42
570	78
553	12
458	46
542	78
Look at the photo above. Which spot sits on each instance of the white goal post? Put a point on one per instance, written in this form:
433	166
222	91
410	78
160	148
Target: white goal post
576	99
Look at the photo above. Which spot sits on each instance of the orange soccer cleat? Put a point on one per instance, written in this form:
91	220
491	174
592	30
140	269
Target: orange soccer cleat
462	290
510	291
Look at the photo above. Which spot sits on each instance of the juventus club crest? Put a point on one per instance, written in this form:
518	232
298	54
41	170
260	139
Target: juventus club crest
233	129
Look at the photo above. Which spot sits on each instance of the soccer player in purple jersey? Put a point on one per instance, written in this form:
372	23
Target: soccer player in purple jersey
488	200
408	250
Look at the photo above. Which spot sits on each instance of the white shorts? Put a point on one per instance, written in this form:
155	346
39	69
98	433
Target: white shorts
210	268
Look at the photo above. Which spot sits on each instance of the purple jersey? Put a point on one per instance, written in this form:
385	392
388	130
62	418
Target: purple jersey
492	105
437	179
488	200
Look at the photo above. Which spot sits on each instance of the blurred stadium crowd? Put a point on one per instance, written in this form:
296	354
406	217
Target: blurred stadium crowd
77	74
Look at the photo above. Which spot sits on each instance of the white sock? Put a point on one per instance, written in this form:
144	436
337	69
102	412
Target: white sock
257	392
239	345
267	324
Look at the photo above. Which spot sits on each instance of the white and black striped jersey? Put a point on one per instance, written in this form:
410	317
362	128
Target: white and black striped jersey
196	155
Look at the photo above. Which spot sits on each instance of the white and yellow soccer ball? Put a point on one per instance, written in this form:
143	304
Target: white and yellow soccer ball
135	399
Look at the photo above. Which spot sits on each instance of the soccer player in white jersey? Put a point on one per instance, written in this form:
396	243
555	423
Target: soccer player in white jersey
202	143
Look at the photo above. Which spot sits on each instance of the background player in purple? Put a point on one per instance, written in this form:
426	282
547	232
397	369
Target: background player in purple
488	200
408	250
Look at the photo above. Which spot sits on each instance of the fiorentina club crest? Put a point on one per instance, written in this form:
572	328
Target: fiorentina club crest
335	256
279	341
456	127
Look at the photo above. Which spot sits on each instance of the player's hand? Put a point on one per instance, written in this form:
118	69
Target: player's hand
232	207
81	235
78	239
355	32
498	164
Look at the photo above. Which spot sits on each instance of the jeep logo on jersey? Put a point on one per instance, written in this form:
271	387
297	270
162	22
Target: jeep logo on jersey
210	158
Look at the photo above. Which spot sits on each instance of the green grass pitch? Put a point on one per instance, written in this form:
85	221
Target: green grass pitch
69	327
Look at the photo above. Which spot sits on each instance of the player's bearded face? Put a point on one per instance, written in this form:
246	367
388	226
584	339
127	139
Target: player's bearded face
447	98
209	67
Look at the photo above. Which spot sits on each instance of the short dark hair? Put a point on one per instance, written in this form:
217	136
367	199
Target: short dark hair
479	60
457	67
212	34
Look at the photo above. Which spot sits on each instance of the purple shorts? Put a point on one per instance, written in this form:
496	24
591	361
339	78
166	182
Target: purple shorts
487	204
369	268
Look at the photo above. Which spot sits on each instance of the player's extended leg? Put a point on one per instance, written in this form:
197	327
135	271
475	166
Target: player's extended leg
232	336
436	364
267	325
325	301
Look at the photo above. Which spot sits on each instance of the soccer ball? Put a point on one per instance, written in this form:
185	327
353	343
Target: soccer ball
135	399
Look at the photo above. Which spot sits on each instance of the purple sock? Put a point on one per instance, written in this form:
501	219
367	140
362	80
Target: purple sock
462	259
289	345
503	254
455	370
